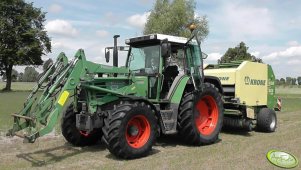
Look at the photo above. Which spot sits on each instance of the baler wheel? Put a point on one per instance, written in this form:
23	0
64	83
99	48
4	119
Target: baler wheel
266	120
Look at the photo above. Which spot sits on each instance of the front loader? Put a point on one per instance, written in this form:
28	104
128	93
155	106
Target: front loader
160	90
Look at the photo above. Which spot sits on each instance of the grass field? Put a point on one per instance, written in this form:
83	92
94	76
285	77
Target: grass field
234	150
19	86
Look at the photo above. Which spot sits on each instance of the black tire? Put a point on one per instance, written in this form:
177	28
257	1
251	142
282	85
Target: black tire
73	135
117	130
266	120
189	116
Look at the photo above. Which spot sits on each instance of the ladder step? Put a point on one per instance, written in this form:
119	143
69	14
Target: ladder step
24	117
166	114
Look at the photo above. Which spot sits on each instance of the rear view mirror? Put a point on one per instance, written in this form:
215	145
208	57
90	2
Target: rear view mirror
165	49
204	55
107	55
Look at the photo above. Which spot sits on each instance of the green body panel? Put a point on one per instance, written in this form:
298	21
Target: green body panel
139	86
178	92
271	102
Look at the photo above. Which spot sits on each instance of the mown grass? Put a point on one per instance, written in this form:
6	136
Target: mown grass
288	89
290	102
233	150
19	86
10	102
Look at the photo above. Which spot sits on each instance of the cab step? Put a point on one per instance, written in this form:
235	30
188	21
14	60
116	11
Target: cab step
169	121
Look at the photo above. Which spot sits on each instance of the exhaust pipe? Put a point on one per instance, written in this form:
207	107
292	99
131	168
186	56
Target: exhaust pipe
115	51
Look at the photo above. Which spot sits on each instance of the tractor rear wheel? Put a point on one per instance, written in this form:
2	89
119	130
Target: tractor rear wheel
130	130
75	136
200	116
266	120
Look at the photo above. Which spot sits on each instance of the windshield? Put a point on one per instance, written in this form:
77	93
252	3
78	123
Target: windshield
144	59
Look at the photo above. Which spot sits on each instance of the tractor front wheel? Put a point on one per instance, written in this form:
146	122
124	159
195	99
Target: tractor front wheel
130	130
75	136
200	116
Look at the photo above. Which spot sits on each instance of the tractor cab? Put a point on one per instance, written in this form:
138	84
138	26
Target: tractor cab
164	60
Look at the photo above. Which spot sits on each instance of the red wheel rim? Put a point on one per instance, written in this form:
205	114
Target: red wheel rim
138	131
207	115
85	133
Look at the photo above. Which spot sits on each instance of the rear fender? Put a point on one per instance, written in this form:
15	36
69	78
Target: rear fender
215	81
177	89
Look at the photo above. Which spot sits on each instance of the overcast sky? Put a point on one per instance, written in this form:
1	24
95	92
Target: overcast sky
271	28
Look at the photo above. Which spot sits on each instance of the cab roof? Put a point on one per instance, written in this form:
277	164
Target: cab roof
156	38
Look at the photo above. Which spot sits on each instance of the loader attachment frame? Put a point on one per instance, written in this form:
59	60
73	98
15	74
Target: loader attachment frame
59	82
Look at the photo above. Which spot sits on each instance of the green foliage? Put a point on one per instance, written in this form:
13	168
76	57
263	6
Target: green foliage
30	74
294	80
240	52
288	81
23	38
46	66
47	63
282	81
20	77
173	18
14	75
277	82
299	80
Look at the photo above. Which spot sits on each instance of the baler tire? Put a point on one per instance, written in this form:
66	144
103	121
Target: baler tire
130	130
73	135
266	120
190	125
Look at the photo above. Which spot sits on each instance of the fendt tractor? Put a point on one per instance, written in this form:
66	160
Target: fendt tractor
160	90
249	94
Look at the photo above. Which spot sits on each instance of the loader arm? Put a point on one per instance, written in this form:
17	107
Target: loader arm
38	117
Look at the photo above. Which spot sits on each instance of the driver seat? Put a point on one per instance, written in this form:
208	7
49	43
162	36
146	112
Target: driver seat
169	75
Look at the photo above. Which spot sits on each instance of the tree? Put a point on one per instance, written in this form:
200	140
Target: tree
299	80
14	76
30	74
23	39
288	81
294	80
173	17
277	82
47	63
282	81
20	77
240	52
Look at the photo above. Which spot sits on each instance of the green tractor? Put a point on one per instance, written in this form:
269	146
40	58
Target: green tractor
160	90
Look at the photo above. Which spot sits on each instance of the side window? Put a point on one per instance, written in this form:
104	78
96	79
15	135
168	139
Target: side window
152	59
177	59
137	59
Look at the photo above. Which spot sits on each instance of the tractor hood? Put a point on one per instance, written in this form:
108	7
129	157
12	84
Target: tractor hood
105	69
